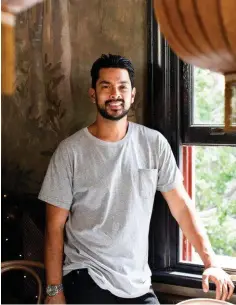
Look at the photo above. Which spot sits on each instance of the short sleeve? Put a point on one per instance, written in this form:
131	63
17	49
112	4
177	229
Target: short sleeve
57	185
169	175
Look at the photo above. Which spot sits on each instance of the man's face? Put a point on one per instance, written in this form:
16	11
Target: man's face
114	94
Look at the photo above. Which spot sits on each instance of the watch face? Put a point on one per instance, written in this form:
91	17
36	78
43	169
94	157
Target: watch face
52	290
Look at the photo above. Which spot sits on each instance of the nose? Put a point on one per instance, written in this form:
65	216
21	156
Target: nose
115	94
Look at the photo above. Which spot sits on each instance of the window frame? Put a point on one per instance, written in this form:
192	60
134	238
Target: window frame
194	134
169	81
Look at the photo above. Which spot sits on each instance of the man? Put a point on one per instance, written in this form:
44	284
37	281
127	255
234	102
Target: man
100	186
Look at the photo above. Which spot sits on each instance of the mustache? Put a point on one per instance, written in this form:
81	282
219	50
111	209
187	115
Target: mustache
117	100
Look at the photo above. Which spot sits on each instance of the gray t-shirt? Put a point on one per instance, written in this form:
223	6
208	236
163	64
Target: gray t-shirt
109	188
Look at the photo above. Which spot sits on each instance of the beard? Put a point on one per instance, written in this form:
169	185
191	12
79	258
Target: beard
113	117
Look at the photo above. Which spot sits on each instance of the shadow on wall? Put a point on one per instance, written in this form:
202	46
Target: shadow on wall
55	52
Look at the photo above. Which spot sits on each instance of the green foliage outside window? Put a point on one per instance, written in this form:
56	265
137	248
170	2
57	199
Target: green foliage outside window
215	168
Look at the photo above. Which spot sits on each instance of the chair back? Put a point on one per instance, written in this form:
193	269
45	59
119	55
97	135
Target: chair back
29	267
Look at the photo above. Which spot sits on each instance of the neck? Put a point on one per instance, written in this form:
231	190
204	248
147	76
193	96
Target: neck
107	130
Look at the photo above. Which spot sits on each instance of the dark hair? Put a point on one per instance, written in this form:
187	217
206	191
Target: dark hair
111	61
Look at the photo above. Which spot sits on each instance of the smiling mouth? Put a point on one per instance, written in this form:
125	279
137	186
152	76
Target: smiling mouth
115	105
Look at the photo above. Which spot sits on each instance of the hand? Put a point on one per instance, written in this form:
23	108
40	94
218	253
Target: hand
57	299
224	285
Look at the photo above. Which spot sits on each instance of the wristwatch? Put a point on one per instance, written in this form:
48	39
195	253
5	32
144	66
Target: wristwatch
52	290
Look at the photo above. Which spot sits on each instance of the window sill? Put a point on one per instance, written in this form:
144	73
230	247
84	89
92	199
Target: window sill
180	293
177	278
183	284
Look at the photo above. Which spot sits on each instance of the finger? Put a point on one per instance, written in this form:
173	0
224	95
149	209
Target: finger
231	289
205	283
219	287
224	291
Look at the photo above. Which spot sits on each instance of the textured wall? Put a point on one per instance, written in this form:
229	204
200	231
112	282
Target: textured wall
57	42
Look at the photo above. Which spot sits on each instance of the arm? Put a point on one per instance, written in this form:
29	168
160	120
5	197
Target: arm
184	212
57	192
54	241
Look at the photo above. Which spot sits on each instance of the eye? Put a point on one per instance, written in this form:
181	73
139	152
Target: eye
105	86
123	87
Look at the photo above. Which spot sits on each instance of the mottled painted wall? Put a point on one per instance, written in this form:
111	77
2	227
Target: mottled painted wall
57	42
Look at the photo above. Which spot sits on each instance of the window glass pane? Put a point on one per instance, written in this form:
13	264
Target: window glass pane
214	193
208	97
233	106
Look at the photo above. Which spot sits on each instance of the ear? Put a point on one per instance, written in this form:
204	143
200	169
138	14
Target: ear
92	95
133	93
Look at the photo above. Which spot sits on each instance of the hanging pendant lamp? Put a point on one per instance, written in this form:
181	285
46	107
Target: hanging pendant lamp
203	34
9	11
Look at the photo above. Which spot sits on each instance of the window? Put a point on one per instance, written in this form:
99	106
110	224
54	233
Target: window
208	98
177	107
202	93
213	173
212	185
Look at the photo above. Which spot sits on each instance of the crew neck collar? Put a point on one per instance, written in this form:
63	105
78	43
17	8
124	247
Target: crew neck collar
107	143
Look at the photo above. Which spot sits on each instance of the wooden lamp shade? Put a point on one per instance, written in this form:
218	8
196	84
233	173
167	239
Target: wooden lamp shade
8	52
203	33
9	11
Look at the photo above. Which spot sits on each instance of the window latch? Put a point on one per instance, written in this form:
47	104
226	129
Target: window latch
217	132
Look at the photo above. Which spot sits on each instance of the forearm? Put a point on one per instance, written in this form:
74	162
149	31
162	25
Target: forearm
193	229
54	242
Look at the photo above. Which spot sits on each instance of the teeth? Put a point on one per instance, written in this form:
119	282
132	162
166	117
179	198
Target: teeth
115	103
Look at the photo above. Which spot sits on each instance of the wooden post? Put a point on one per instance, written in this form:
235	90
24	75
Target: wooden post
230	107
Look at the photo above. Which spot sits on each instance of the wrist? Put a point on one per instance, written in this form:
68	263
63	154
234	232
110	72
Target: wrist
211	262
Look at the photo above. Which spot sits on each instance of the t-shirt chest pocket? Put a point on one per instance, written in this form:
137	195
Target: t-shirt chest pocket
147	182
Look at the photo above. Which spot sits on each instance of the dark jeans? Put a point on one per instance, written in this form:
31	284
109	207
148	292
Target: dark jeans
79	288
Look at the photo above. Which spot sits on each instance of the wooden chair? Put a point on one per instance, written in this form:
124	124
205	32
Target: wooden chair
27	266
